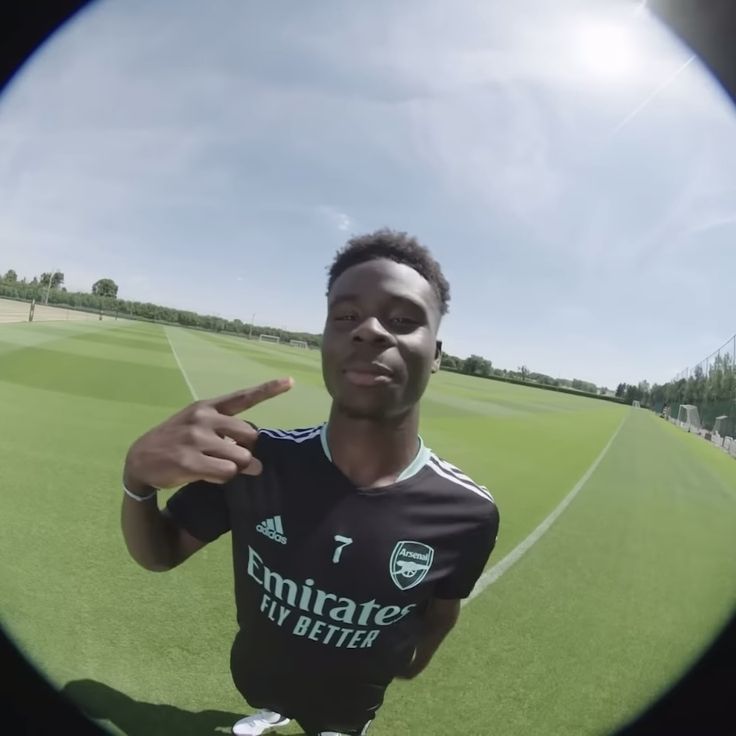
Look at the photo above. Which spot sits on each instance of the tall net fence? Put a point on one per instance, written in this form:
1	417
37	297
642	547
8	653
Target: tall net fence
710	385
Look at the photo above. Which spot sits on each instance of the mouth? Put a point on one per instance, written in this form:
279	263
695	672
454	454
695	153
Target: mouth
368	374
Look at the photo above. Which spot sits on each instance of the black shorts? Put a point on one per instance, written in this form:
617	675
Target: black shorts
316	702
319	706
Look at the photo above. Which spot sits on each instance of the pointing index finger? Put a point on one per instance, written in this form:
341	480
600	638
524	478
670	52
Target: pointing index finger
243	399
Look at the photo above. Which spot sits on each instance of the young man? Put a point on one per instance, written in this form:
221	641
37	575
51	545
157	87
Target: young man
352	542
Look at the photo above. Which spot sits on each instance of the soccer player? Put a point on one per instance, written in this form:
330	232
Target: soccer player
353	543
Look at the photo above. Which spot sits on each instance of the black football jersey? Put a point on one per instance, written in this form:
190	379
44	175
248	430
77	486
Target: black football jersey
332	578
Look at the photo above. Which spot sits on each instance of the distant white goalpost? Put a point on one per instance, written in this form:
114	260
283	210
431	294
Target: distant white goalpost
298	344
718	437
635	404
269	338
688	417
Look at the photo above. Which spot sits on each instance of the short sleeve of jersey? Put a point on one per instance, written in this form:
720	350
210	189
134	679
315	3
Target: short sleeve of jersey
201	509
476	549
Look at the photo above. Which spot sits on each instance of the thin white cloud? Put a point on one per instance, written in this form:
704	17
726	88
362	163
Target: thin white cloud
337	219
715	222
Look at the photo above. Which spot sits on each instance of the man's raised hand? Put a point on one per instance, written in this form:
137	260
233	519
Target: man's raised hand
204	441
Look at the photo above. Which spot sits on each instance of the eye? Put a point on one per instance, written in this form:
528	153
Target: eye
403	321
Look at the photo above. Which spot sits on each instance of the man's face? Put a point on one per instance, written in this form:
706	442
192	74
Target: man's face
379	345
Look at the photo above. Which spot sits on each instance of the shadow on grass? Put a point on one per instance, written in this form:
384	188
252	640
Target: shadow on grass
136	718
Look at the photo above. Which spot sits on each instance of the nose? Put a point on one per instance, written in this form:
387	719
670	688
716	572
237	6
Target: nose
370	330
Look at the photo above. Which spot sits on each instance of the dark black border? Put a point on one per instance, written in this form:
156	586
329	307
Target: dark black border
708	27
703	702
25	25
30	705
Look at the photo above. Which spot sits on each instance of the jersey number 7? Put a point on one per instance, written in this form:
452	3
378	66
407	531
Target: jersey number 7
342	542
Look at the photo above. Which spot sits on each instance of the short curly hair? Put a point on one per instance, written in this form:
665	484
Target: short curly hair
398	247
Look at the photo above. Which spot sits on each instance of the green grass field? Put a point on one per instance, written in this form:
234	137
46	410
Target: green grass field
600	616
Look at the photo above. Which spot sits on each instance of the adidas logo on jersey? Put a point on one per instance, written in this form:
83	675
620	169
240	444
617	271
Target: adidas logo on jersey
273	529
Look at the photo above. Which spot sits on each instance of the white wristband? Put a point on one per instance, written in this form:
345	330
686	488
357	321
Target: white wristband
140	498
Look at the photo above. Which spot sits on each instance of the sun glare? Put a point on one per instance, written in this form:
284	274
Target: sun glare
605	50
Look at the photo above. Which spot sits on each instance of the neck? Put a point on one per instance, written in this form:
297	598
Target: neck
372	452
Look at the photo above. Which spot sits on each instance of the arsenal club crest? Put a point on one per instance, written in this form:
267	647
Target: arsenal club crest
410	563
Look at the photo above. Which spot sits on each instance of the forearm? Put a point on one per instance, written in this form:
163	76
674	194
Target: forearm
439	620
433	634
149	535
205	442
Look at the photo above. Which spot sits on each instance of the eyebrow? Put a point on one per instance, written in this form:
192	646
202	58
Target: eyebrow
395	298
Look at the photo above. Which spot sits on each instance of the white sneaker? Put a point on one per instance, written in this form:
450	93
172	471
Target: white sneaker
261	722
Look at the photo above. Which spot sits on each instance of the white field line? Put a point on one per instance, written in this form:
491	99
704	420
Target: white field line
181	367
494	573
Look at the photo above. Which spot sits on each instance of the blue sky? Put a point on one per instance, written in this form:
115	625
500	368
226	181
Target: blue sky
569	165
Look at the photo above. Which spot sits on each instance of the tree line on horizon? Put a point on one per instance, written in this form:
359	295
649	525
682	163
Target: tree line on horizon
103	297
714	392
477	365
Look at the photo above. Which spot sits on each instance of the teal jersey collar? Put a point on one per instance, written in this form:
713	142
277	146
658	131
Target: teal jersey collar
413	468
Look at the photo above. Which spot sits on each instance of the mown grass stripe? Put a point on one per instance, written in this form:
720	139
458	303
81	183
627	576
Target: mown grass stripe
494	573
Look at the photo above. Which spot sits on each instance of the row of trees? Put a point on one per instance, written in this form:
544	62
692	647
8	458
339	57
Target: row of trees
630	393
476	365
49	282
103	297
714	394
45	281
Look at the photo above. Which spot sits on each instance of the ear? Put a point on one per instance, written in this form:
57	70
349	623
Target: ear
437	357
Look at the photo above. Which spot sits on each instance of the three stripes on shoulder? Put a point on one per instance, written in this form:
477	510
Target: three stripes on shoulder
450	472
438	465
